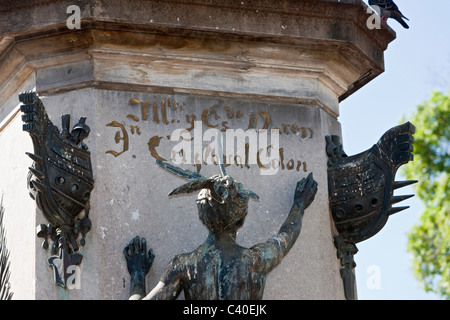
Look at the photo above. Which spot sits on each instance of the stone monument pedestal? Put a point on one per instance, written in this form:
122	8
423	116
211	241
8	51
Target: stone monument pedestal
138	74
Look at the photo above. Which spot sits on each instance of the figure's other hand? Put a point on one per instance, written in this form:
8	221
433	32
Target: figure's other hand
137	257
305	191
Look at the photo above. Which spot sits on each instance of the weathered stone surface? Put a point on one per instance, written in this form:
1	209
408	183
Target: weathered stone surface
143	71
337	27
130	197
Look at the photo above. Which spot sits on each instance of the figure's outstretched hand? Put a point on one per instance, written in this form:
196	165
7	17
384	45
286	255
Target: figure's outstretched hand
137	257
305	191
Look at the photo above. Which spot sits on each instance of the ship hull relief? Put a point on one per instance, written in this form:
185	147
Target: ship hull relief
60	180
361	192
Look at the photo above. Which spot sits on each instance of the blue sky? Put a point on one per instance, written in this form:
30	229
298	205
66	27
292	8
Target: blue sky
416	63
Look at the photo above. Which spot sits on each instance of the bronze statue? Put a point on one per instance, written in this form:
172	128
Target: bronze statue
219	269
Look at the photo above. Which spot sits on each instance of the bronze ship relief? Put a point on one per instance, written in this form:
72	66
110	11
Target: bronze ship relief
60	180
361	191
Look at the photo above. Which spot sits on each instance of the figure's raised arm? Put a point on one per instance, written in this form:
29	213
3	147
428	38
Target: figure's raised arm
275	249
139	262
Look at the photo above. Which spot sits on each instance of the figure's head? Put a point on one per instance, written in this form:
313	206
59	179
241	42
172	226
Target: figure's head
224	206
222	202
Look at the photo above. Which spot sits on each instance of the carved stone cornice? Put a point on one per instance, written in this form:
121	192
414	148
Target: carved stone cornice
308	52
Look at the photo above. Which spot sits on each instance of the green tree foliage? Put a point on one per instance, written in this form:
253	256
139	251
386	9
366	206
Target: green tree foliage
5	293
429	242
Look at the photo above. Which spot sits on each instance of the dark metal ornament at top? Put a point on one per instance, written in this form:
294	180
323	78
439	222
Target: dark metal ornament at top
60	181
361	192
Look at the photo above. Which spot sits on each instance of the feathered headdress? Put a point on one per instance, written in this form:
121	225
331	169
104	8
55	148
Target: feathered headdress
222	201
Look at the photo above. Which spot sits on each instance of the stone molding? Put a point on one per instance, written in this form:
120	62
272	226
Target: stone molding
256	48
